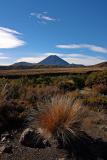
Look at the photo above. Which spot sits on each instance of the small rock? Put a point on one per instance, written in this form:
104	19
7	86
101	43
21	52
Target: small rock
13	132
2	149
31	138
6	149
104	128
5	136
3	139
26	136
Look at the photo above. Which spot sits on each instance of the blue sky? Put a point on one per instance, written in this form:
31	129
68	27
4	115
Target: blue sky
75	30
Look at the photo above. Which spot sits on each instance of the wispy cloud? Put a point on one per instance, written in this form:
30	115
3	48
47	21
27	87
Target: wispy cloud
35	59
43	17
9	38
53	53
4	60
84	59
3	57
91	47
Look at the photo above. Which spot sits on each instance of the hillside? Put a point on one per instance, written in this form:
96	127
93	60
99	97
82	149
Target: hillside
103	64
54	60
22	64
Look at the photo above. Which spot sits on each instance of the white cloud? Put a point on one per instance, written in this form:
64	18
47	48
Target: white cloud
3	57
43	17
31	59
92	47
9	38
53	53
9	30
4	60
1	53
68	46
85	60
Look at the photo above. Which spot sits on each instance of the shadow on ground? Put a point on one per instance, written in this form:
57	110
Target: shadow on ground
84	147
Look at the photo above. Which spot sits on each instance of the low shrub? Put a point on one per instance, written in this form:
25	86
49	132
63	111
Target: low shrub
3	82
46	80
12	116
96	78
66	86
95	102
79	81
31	94
11	91
40	93
100	89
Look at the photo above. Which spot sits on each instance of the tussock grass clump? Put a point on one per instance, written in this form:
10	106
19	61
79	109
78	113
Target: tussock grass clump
59	118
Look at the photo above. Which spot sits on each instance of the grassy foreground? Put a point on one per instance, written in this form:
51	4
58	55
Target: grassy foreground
62	106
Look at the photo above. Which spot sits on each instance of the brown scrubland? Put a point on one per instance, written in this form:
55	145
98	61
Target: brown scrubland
67	109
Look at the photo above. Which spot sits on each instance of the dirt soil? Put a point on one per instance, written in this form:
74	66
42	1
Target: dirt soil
92	145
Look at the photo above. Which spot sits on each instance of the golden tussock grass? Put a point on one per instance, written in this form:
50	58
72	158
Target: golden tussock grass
58	118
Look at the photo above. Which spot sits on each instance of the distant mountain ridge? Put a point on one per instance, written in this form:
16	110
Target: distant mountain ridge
22	64
50	61
54	60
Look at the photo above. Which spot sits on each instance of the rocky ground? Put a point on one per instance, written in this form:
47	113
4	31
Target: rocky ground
21	145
